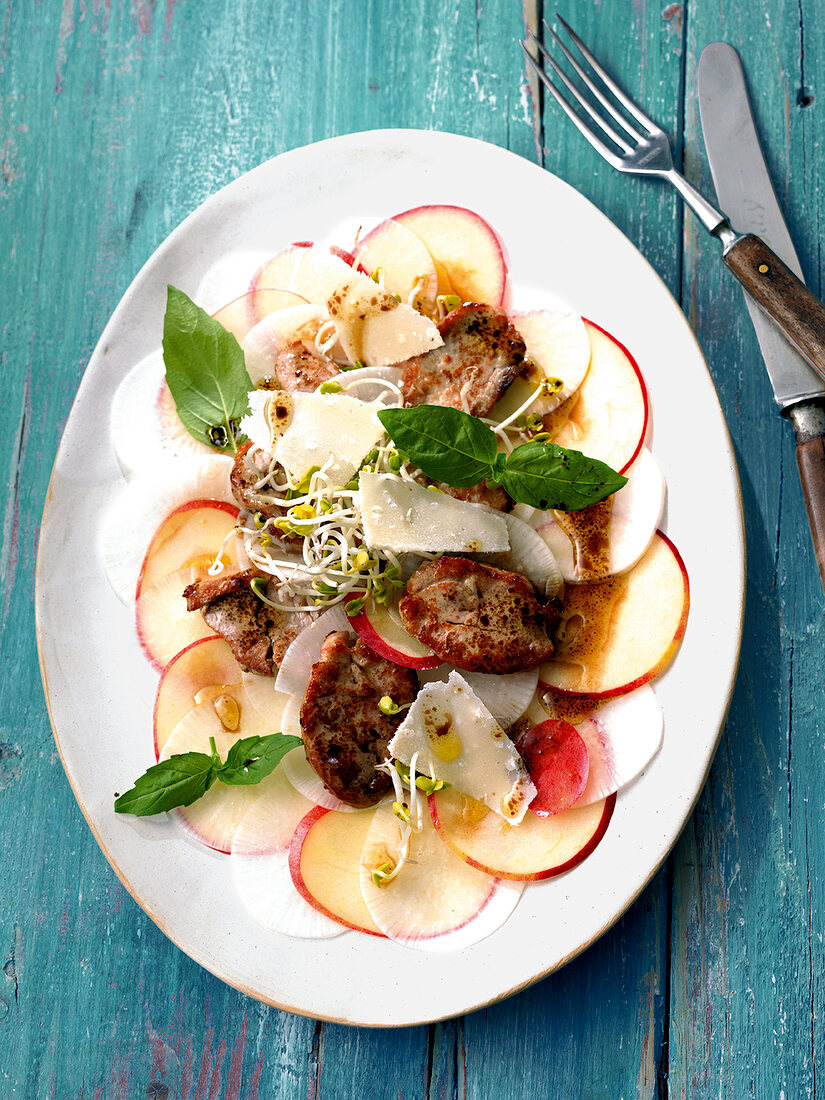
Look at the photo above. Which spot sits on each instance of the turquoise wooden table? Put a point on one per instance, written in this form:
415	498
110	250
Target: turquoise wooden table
118	119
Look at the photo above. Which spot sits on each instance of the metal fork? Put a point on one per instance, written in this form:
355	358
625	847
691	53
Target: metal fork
639	146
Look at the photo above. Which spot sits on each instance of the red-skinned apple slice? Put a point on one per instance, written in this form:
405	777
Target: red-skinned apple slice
164	625
538	848
607	416
242	314
437	902
381	628
465	247
191	532
635	515
314	273
607	640
408	267
557	759
206	666
323	862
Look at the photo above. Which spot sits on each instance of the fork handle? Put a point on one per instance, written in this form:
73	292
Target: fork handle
798	313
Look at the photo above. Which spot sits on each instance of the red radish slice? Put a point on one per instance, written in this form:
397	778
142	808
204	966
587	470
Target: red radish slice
530	554
637	510
204	665
144	423
380	626
437	902
229	277
538	848
557	758
314	273
260	865
276	331
465	246
505	696
408	268
323	862
607	417
243	313
306	650
608	642
192	531
140	506
164	625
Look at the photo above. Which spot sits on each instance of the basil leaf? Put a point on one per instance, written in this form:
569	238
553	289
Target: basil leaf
445	444
253	758
544	475
205	372
178	781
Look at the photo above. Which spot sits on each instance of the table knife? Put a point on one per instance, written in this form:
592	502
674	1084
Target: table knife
746	194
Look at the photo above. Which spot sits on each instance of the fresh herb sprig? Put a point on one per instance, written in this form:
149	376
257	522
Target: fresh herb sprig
450	445
186	777
205	372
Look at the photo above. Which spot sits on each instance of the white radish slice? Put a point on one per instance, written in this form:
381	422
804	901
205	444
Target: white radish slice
314	273
306	650
140	507
276	331
505	696
437	902
637	510
242	314
408	267
373	384
324	864
144	422
164	625
260	865
269	703
300	772
229	277
205	668
531	555
193	533
622	737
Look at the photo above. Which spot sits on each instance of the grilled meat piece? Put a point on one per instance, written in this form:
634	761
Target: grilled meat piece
345	734
298	369
482	355
491	495
476	617
243	478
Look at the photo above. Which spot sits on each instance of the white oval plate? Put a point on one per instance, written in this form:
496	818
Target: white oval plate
100	688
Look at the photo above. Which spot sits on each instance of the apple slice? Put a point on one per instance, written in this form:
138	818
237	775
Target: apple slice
607	416
194	530
260	865
276	331
242	314
437	902
408	267
538	848
557	759
139	507
164	625
464	245
635	515
608	642
314	273
206	667
380	626
229	276
323	862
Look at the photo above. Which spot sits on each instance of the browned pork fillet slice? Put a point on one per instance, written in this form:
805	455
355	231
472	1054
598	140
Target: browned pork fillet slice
491	495
476	617
345	734
482	355
243	478
258	634
298	369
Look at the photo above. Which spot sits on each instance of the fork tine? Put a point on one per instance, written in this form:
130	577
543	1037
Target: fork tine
604	150
602	123
608	82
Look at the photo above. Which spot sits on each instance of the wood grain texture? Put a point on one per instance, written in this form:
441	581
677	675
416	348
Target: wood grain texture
117	118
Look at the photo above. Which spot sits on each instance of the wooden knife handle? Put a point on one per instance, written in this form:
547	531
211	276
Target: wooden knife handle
797	313
808	422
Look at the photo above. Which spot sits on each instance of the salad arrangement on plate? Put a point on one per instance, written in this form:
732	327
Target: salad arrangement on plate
393	549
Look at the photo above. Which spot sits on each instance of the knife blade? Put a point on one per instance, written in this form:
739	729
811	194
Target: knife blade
746	194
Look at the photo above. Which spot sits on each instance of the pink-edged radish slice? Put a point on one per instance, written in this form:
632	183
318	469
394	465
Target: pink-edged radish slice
229	276
314	273
380	626
407	266
269	703
323	862
465	247
506	696
634	517
530	554
607	640
205	667
191	532
557	758
164	625
242	314
303	653
538	848
144	423
141	505
607	416
276	331
260	865
622	737
436	902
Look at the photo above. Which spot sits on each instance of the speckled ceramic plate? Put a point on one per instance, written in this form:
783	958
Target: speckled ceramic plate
100	694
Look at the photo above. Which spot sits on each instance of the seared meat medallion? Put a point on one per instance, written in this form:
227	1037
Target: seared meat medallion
476	617
481	357
297	369
345	734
